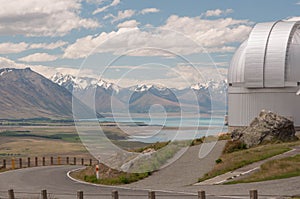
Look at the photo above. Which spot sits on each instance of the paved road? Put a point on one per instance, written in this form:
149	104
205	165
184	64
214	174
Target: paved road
176	178
27	183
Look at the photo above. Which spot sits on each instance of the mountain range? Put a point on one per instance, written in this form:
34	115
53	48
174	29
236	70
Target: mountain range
27	94
140	98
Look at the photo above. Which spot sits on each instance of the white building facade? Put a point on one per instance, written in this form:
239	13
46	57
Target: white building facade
265	74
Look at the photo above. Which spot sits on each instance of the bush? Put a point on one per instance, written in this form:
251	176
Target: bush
218	161
232	146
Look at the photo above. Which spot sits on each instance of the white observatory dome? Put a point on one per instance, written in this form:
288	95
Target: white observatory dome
269	58
265	74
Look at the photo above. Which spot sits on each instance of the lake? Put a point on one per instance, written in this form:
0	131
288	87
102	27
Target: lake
158	129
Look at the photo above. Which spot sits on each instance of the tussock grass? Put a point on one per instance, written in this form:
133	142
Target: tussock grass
237	159
275	169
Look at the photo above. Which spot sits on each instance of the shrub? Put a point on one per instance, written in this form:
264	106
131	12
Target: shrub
218	161
232	146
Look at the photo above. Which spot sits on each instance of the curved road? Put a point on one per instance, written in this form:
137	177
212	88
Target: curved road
176	178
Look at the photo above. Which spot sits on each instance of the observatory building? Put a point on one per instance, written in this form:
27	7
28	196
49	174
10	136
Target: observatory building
265	74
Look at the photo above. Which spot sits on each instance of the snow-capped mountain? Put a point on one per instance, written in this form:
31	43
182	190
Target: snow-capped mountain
212	85
73	83
140	98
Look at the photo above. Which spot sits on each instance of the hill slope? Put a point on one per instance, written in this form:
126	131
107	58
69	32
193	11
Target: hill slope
27	94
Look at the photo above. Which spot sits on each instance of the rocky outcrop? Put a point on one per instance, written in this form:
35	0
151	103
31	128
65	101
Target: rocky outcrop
267	127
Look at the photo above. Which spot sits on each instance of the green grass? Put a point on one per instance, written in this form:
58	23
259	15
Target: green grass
108	176
238	159
124	178
275	169
59	136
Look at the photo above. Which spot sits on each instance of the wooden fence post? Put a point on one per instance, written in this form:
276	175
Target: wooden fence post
44	161
36	161
58	160
20	163
91	162
51	160
151	195
11	194
201	195
28	162
74	160
4	164
253	194
115	194
44	194
79	194
13	166
68	160
82	161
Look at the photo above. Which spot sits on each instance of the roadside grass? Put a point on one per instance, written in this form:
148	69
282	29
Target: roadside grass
108	176
275	169
237	159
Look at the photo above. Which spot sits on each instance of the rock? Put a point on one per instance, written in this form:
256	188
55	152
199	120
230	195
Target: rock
267	127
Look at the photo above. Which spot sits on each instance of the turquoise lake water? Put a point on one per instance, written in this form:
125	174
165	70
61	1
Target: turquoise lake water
189	127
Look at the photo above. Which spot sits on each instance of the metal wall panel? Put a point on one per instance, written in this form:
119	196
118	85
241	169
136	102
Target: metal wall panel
244	107
275	60
237	65
255	55
292	72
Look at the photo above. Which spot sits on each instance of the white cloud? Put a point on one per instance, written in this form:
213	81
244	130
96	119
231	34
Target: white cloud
46	70
7	48
42	18
38	57
128	24
188	35
49	46
149	10
186	75
121	15
217	12
115	2
102	9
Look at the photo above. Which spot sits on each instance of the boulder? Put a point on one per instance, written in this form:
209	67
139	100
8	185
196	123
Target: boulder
267	127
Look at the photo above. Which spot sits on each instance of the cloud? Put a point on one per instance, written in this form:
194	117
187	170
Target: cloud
42	18
192	35
38	57
7	48
102	9
149	10
186	75
128	24
49	46
217	12
46	70
121	15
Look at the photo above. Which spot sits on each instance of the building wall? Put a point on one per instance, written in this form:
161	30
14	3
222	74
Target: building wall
245	104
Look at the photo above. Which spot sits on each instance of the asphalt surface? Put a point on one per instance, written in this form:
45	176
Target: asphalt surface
174	181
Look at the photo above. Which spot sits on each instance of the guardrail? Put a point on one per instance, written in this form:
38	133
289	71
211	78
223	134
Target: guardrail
115	195
18	163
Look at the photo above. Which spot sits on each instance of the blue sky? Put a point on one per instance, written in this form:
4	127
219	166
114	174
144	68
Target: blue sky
172	42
